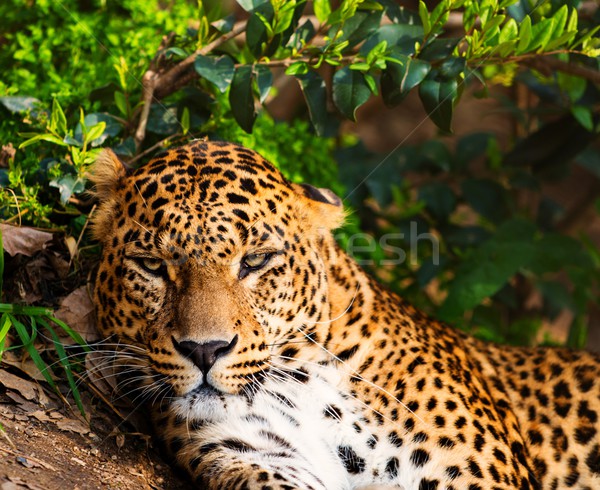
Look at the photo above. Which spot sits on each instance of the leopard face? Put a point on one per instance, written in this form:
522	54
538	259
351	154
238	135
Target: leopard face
210	258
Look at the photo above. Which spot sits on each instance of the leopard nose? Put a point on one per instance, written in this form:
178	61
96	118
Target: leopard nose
204	355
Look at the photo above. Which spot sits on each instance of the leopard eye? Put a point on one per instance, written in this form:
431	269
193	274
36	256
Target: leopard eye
254	262
152	265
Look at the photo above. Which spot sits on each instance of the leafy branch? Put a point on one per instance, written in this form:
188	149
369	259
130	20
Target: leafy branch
374	48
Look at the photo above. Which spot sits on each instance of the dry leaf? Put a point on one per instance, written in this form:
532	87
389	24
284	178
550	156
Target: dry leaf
41	416
120	440
27	366
26	388
77	311
7	153
23	240
71	244
73	425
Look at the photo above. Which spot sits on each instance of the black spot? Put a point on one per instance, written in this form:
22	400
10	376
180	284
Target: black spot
150	190
331	411
236	198
348	353
161	201
241	214
474	469
445	442
394	439
453	472
351	461
426	484
561	390
420	437
583	435
419	458
535	437
391	467
593	459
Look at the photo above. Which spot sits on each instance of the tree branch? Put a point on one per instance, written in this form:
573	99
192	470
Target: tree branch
548	65
157	84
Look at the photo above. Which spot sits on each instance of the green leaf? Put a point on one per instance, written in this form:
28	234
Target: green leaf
315	94
27	341
95	132
175	52
71	333
572	22
264	81
439	200
257	33
452	67
219	71
19	103
350	91
112	128
439	49
252	5
489	268
397	80
185	121
555	252
424	16
509	31
67	186
297	68
560	20
121	102
402	37
371	83
58	120
524	35
487	197
584	116
322	10
241	98
360	26
438	99
43	137
561	41
540	34
5	325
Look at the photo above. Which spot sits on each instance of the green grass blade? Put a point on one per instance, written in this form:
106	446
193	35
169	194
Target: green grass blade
5	325
33	353
64	361
72	333
1	264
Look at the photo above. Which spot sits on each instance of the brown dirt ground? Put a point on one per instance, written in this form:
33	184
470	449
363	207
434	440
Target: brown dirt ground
62	452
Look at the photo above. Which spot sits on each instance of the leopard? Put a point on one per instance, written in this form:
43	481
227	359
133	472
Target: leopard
266	358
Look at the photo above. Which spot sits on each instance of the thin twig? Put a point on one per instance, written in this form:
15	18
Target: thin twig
153	147
157	85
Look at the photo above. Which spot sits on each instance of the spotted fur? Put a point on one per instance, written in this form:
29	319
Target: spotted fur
300	371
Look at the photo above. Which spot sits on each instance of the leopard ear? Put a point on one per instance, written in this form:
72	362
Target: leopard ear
106	173
325	207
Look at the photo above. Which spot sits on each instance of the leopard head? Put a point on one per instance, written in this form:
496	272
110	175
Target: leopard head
211	262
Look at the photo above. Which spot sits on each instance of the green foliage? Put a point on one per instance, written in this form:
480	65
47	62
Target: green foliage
484	270
394	58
